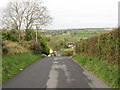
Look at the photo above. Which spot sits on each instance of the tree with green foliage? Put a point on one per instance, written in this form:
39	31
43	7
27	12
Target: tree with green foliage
43	43
56	44
46	49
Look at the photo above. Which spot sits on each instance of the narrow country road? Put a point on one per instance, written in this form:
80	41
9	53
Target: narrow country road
54	72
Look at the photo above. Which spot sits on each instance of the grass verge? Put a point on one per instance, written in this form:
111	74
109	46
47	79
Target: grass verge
11	64
107	72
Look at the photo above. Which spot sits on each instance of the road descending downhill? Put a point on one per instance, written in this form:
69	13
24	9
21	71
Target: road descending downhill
54	72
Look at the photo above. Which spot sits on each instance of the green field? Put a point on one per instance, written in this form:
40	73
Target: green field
79	34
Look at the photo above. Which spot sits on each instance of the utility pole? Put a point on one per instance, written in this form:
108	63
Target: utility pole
36	39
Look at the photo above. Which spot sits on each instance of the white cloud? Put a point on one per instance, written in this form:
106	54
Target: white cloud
83	13
80	13
3	3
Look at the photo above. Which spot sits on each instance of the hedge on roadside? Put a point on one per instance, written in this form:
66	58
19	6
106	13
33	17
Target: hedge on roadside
106	46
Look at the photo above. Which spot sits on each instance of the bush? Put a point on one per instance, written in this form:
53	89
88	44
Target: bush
56	43
36	48
26	44
9	47
4	50
10	35
30	35
66	53
44	45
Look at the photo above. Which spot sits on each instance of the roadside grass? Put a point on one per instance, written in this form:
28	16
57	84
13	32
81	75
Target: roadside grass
13	63
107	72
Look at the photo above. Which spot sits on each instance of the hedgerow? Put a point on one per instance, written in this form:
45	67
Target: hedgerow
105	52
104	46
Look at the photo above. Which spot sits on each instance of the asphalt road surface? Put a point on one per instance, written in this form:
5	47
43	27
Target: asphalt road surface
54	72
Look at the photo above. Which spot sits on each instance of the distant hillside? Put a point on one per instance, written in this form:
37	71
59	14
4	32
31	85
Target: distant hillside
75	34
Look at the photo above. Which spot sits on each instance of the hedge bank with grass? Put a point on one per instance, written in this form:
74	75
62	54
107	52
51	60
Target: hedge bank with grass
11	64
18	54
101	55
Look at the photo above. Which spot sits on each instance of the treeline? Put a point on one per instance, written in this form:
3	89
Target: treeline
104	46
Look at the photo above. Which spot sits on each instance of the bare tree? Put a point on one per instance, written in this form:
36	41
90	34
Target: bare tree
25	15
13	16
36	13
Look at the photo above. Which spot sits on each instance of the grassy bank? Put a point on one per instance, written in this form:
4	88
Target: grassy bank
11	64
106	72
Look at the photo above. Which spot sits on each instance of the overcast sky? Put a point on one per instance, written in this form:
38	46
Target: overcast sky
80	13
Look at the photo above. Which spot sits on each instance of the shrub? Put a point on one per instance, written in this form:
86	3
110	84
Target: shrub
66	53
57	43
44	45
26	44
9	47
30	35
10	35
36	48
4	50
